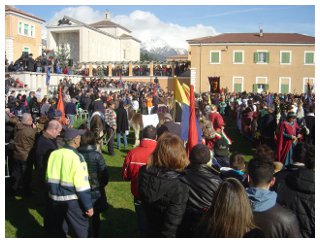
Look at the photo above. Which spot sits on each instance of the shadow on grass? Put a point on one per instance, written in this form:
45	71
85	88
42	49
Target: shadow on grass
118	223
17	213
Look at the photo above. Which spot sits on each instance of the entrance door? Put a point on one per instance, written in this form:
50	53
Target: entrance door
214	84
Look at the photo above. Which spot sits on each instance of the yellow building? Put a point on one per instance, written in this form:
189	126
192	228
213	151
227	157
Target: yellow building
23	33
274	62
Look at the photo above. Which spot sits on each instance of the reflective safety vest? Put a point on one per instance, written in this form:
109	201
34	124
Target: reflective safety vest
67	177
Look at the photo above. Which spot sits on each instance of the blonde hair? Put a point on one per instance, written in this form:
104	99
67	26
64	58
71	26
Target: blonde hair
230	215
169	153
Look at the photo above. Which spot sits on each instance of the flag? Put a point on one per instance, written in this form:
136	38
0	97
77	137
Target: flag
309	93
179	93
193	132
60	107
48	76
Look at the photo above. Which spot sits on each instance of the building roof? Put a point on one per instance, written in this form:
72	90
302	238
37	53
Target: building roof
13	9
178	58
284	38
108	24
125	36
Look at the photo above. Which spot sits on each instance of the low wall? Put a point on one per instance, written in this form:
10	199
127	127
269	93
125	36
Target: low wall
35	80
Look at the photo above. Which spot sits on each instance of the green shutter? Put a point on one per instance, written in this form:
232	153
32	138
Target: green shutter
267	57
309	58
238	57
238	88
305	88
255	57
285	57
284	88
214	57
255	88
266	87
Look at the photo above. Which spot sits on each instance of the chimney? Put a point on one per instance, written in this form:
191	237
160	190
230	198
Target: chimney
107	14
261	32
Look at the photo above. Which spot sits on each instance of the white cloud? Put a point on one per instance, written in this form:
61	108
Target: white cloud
145	26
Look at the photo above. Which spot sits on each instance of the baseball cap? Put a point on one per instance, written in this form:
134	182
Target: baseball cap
71	133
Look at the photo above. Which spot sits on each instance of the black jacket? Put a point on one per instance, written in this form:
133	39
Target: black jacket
164	198
122	119
296	192
98	175
203	183
277	222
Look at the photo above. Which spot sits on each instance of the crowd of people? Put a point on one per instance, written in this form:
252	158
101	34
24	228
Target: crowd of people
204	192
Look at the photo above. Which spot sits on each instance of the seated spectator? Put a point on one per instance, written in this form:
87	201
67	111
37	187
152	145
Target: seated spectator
230	215
203	183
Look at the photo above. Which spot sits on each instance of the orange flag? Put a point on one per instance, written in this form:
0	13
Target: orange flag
60	107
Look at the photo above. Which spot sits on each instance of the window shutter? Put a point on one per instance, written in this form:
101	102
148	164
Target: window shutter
266	87
309	58
237	88
215	57
285	57
284	88
238	57
255	57
267	57
255	88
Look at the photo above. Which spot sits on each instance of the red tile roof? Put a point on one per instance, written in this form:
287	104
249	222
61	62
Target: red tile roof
285	38
12	9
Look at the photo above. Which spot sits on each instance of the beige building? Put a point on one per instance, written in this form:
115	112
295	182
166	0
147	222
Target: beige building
23	33
275	62
103	41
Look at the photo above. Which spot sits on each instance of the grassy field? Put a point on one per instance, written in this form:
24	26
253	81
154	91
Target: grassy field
24	216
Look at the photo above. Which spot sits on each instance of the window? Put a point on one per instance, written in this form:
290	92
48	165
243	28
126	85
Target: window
20	27
26	49
238	57
26	29
237	83
31	30
308	57
285	57
124	54
215	57
284	85
261	57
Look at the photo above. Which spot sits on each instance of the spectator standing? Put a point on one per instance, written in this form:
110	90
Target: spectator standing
163	195
69	189
24	139
111	123
310	124
136	158
169	126
98	178
297	191
273	219
203	183
71	110
230	215
122	125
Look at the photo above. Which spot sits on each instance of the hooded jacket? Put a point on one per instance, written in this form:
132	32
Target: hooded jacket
24	139
274	220
164	198
297	192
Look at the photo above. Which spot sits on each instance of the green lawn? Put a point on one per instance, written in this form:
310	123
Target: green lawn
24	217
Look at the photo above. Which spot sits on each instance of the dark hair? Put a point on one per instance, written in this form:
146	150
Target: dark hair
200	154
237	161
299	153
309	158
88	138
264	152
230	214
260	171
149	132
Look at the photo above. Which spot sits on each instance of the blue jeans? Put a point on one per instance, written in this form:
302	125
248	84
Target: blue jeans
142	218
124	139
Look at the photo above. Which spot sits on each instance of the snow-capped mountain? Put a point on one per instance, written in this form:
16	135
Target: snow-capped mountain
161	49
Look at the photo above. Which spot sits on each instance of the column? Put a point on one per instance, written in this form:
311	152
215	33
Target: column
130	69
151	68
90	70
172	68
110	69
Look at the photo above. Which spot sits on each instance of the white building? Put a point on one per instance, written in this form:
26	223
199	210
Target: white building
103	41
